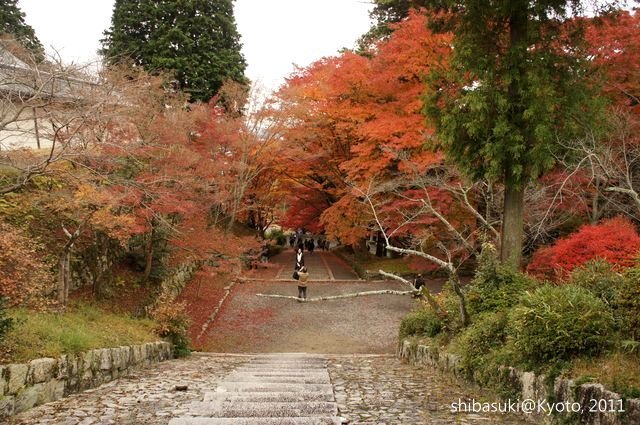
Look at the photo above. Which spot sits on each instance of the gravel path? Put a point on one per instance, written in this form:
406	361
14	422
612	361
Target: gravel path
248	323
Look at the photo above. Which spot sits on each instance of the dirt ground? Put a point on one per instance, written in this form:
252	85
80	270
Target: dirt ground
251	324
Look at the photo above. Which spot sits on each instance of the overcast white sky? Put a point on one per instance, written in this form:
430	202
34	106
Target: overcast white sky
275	33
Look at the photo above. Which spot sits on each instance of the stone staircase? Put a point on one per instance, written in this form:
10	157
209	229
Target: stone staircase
282	389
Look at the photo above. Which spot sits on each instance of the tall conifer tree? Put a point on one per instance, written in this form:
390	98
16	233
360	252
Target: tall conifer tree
517	86
12	24
197	40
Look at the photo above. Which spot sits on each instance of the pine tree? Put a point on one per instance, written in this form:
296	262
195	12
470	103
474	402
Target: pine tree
12	24
196	40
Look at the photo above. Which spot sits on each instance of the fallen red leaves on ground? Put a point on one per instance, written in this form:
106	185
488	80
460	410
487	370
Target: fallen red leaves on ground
202	295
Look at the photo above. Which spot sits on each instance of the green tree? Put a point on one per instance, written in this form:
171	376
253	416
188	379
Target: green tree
12	23
517	84
196	40
387	12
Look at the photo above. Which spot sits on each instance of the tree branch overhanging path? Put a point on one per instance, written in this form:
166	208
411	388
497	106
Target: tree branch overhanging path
411	291
342	296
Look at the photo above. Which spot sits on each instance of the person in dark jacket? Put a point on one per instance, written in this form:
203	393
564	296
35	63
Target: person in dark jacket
303	276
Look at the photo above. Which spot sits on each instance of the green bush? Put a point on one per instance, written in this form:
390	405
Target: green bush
420	322
621	292
481	346
278	236
629	303
557	323
496	287
599	278
450	304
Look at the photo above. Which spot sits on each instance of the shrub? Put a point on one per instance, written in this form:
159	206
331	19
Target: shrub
629	303
480	345
420	322
495	287
599	278
450	305
555	324
173	323
278	236
615	241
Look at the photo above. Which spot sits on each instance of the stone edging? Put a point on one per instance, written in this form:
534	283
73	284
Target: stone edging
23	386
212	317
526	385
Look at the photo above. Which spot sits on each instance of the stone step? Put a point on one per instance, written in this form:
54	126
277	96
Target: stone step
286	358
283	379
243	409
290	363
272	387
269	396
289	353
281	366
281	372
317	420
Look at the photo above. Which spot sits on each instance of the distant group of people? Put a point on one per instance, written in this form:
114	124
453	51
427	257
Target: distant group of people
308	244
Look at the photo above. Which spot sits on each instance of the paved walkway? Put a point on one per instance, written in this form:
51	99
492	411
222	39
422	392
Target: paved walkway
366	389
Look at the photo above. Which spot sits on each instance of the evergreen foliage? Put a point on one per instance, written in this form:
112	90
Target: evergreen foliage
386	12
421	322
517	84
196	40
557	323
496	287
12	23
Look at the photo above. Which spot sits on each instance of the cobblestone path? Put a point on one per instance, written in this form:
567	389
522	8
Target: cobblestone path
368	390
379	389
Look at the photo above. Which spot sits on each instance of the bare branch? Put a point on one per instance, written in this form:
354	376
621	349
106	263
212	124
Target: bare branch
338	297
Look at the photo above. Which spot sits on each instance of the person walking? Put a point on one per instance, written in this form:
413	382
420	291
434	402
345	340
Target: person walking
303	276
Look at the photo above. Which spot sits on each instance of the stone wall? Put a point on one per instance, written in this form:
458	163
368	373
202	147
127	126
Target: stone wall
23	386
528	385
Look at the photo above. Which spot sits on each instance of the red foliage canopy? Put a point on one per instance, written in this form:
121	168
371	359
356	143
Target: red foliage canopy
615	240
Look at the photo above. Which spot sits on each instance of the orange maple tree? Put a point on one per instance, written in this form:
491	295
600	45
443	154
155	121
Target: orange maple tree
357	119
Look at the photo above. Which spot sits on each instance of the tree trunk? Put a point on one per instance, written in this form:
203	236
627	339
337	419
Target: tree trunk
512	225
513	207
148	256
64	277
